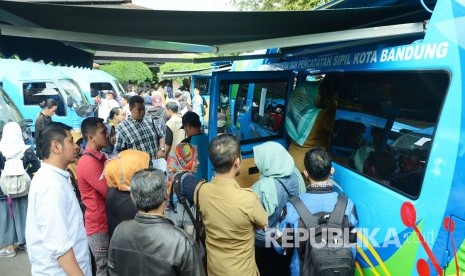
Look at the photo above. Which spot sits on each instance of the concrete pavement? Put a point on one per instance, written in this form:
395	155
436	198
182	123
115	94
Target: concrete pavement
18	265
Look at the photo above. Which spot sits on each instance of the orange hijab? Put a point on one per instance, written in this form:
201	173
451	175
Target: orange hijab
118	172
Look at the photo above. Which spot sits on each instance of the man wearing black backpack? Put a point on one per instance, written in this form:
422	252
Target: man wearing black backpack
318	226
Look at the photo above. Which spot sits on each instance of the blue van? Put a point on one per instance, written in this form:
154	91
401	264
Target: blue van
10	113
28	83
402	96
94	81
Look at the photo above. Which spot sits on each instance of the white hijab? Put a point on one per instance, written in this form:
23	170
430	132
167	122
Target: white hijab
12	143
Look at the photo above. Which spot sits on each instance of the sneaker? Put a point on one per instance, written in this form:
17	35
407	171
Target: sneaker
5	253
22	247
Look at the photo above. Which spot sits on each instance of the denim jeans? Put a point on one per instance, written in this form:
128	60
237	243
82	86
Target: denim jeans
99	243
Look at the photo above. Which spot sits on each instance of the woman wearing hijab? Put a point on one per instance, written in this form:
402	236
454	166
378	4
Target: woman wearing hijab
182	164
49	107
307	125
118	173
13	210
279	180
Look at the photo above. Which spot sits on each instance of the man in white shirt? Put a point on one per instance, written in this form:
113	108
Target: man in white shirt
105	105
55	234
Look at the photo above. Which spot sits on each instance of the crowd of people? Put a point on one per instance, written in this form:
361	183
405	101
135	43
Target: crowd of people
125	194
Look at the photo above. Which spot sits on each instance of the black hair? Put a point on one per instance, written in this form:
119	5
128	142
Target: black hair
126	97
89	126
48	103
317	162
192	119
134	100
223	151
54	131
173	106
113	112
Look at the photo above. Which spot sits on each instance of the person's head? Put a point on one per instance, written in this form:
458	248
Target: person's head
111	132
116	115
119	172
178	94
95	132
49	107
186	83
225	154
125	100
77	139
380	165
184	157
196	91
57	145
12	142
191	123
137	107
172	107
109	95
148	190
157	99
317	164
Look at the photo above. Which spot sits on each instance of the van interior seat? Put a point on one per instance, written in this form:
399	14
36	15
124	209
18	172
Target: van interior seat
348	133
409	183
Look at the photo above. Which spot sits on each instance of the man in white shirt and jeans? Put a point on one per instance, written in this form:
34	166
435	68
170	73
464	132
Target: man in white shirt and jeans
55	234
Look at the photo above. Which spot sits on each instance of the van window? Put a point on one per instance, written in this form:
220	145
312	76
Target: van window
8	111
203	84
384	124
96	88
36	92
254	110
74	93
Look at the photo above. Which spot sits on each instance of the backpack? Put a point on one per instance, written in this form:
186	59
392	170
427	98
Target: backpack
15	181
331	256
197	220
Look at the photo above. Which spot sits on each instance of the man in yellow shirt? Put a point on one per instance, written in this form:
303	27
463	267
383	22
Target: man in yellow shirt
230	213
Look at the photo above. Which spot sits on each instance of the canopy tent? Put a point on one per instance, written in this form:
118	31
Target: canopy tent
85	31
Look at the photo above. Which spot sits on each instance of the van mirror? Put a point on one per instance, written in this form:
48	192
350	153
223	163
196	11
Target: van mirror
69	101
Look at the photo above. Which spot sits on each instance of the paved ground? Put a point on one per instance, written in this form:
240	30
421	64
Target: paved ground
18	265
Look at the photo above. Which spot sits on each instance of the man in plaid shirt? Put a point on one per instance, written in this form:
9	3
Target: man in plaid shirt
140	133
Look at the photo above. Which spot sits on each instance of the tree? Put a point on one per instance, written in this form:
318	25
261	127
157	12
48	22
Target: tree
275	5
128	71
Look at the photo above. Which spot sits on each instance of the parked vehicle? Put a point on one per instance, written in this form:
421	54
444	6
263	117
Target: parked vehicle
407	91
10	113
93	82
28	84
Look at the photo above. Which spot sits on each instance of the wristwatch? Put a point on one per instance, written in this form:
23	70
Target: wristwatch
162	149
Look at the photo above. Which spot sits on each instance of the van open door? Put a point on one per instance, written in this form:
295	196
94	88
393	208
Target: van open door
250	106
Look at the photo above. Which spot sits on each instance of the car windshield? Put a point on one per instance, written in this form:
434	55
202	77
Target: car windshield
8	111
121	91
73	90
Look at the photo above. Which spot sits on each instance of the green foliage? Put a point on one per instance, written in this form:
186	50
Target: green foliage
128	71
168	67
277	5
174	67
